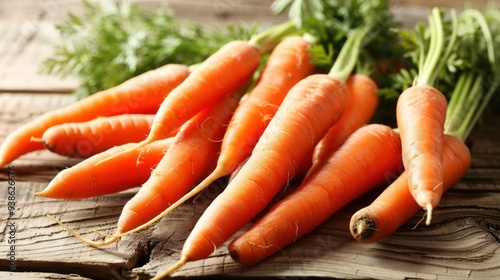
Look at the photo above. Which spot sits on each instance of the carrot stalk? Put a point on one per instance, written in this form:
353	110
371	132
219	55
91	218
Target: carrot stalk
395	205
85	180
84	139
139	95
345	175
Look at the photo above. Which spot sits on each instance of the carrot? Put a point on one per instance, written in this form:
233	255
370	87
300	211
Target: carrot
362	102
189	157
288	64
84	139
85	180
471	94
309	109
306	113
345	175
396	205
420	115
222	72
140	95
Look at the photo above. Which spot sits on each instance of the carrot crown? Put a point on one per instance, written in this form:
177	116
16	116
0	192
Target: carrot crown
268	39
349	55
432	63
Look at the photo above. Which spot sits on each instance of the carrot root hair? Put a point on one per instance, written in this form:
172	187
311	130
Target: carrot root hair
117	155
172	269
205	183
83	239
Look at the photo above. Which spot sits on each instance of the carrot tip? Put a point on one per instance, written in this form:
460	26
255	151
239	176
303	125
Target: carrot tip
39	194
81	238
428	207
172	269
363	228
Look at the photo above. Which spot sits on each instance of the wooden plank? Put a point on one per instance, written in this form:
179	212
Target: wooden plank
462	243
41	245
39	275
456	246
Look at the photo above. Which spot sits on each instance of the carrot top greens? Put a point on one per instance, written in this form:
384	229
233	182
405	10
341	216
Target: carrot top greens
460	58
112	42
332	22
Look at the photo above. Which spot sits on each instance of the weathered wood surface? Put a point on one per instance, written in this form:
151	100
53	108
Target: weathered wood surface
462	243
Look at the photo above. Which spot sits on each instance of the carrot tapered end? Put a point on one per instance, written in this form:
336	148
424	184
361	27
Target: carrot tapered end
172	269
429	209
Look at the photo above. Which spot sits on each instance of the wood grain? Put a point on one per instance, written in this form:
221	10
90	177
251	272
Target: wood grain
462	243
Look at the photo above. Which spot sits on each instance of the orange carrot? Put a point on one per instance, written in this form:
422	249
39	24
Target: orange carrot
84	139
420	115
85	180
288	64
189	157
345	175
222	72
140	95
195	150
305	115
396	205
309	109
362	101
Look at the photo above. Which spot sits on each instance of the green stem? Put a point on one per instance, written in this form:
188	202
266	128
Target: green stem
479	17
435	49
268	39
483	105
461	89
472	104
348	56
451	43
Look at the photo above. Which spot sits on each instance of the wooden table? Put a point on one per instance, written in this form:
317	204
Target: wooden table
462	243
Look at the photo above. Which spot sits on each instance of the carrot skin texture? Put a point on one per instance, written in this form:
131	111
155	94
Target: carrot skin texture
85	180
307	112
193	152
140	95
420	113
395	205
347	174
361	105
362	102
289	63
84	139
220	74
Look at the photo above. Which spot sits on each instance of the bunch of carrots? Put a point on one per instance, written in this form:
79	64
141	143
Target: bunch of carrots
179	128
